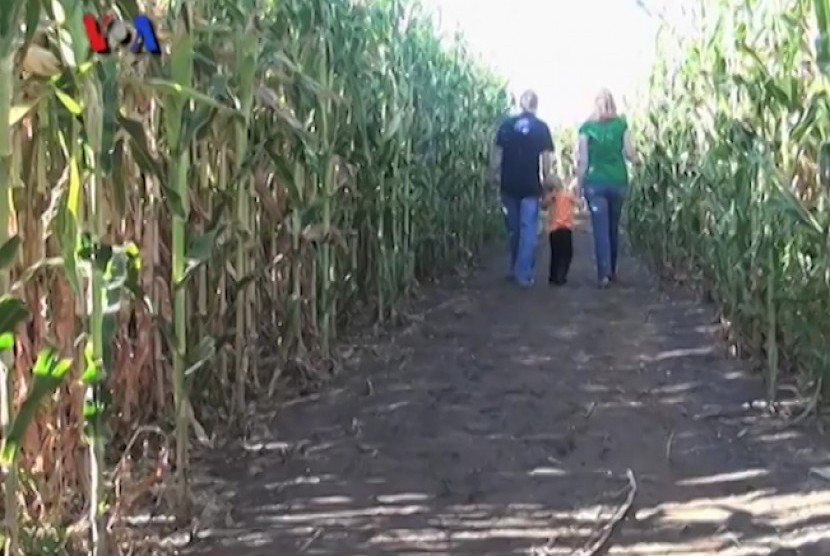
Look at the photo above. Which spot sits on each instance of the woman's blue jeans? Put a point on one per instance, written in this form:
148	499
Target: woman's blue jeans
521	220
605	202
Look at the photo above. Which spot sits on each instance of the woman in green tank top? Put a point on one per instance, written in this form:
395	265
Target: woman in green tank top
604	146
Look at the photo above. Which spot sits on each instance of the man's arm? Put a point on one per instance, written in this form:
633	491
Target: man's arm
549	176
494	171
548	161
496	155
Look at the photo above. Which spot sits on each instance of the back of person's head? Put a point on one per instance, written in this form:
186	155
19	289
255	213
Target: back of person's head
529	101
604	106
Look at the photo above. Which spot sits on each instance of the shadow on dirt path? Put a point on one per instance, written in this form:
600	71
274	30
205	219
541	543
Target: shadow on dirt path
505	420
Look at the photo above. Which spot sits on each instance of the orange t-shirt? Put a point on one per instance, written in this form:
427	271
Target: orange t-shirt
560	211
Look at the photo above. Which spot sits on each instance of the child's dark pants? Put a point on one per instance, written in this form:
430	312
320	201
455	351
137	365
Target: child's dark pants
561	253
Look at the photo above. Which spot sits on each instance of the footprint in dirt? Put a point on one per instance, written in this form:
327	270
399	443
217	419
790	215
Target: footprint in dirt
565	446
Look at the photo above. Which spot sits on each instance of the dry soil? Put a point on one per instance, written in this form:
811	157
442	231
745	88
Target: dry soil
502	421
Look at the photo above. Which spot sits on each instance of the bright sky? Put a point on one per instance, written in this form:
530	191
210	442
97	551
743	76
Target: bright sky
564	49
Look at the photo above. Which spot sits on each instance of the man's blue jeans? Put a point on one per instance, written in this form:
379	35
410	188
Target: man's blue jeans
521	220
605	202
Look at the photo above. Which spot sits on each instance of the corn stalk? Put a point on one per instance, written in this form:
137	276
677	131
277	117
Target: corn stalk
7	80
246	45
181	74
11	12
348	168
733	129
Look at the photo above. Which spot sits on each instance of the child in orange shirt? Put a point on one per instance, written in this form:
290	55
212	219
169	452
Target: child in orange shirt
560	222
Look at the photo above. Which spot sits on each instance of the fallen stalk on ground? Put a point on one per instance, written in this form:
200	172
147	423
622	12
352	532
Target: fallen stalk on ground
596	543
593	548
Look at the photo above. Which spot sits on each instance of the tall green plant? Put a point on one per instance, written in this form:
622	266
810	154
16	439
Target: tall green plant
729	191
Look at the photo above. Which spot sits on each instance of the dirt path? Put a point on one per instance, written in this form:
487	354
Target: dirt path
507	419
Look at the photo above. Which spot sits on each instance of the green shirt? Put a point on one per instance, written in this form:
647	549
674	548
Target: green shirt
606	162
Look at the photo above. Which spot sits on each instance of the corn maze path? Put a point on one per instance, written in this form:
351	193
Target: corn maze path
503	421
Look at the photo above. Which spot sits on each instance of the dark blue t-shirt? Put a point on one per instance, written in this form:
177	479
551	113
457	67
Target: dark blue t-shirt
523	139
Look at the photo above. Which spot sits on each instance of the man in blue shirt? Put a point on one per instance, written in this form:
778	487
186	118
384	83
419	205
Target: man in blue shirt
521	143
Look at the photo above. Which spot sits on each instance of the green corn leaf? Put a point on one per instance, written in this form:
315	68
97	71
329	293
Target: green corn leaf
119	182
92	373
12	313
198	251
139	146
6	341
174	201
200	355
108	72
9	19
9	250
69	103
824	165
186	93
47	375
196	121
129	8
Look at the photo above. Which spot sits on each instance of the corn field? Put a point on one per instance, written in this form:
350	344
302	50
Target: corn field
189	232
564	144
733	188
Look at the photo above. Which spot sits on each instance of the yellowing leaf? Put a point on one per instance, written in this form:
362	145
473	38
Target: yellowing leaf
73	194
69	102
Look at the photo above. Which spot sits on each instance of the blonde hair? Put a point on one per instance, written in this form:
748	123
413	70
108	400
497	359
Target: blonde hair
604	106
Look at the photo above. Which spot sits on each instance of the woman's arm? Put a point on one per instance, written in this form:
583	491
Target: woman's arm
581	158
628	147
